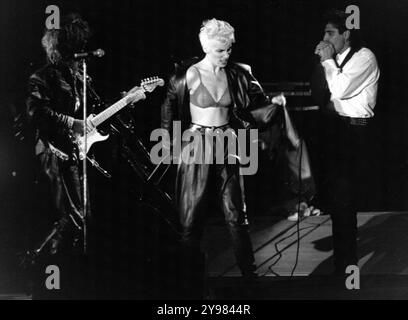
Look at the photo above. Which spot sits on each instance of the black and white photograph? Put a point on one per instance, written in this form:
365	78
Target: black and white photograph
214	151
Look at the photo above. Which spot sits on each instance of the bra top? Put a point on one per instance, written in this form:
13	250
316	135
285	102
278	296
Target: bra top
202	98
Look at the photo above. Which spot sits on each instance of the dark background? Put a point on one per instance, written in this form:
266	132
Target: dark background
143	38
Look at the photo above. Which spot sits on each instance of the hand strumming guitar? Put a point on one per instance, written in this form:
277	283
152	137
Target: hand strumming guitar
78	126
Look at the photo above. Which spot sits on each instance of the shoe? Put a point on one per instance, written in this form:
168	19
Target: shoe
305	211
293	217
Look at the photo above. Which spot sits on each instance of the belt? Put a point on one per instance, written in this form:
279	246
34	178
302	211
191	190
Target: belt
357	121
200	127
61	155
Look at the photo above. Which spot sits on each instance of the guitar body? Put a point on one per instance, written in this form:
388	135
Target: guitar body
91	138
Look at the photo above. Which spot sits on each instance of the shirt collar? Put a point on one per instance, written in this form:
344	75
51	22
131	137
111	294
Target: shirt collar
340	57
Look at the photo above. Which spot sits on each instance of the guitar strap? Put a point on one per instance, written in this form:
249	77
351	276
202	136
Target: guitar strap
60	154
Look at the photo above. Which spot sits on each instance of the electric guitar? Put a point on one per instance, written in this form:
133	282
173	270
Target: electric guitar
146	85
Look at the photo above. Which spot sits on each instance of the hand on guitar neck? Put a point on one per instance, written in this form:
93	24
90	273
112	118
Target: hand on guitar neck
135	94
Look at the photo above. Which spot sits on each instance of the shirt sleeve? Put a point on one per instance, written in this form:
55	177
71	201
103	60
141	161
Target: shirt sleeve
348	83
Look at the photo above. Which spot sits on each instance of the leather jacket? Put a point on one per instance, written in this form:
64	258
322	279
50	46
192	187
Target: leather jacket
51	101
251	108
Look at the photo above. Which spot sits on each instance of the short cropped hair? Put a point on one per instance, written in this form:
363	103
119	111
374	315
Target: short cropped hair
61	44
338	19
216	30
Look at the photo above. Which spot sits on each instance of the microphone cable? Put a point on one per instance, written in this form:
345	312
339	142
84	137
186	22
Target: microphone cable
298	209
299	197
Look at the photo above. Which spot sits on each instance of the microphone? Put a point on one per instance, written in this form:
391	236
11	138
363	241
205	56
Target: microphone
96	53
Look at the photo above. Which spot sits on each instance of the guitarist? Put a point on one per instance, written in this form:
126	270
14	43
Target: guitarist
54	107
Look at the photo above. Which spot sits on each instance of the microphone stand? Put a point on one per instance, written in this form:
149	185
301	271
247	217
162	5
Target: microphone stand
84	167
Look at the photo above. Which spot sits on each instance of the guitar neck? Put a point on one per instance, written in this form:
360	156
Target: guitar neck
109	112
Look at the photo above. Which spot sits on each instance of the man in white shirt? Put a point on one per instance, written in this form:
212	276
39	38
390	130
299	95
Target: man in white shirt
351	76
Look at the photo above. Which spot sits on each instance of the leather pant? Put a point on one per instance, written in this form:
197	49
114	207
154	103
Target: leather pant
64	184
196	184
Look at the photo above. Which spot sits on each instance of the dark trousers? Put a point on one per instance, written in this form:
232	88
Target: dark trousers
199	184
346	161
64	188
59	242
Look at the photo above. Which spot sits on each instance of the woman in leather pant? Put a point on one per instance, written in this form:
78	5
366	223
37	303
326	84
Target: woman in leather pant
209	95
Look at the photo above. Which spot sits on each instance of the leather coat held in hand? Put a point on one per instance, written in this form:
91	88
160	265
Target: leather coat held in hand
251	108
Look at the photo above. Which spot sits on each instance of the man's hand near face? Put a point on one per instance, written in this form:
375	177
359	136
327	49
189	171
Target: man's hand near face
325	50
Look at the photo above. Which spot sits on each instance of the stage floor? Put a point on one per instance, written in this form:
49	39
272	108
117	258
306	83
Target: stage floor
382	245
382	252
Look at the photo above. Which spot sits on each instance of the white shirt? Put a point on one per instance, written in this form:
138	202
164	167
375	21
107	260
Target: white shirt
353	89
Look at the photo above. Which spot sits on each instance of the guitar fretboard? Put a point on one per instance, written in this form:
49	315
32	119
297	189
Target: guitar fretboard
109	112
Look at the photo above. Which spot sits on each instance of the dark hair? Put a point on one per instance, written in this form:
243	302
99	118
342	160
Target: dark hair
73	35
338	19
